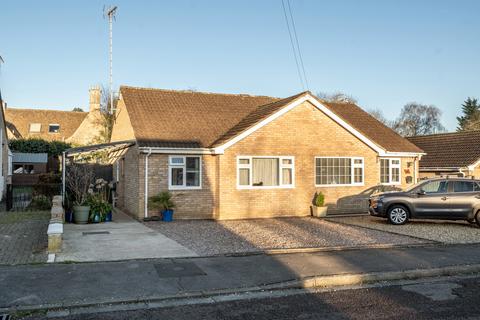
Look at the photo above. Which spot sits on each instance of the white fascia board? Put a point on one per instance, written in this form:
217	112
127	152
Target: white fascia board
440	168
178	150
322	108
401	154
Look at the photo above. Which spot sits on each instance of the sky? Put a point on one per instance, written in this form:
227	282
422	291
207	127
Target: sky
384	53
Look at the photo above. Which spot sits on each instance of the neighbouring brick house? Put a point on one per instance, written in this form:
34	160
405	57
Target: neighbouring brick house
5	155
78	128
227	156
455	154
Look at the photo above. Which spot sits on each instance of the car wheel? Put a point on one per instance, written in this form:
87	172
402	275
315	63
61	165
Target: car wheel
477	218
397	215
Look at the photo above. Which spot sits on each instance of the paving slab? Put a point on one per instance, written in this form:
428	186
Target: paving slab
137	280
122	239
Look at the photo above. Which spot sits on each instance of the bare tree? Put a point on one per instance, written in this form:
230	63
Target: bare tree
336	97
418	119
78	180
106	119
378	114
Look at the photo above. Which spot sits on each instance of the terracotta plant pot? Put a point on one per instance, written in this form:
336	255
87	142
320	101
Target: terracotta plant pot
80	214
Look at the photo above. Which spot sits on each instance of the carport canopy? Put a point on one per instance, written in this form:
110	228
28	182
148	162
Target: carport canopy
107	153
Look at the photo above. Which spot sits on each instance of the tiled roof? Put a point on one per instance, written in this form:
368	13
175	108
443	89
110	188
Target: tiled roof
445	150
370	127
185	119
19	120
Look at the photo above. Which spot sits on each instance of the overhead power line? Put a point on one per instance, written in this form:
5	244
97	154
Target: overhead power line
295	44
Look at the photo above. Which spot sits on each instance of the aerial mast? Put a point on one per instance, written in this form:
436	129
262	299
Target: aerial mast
110	12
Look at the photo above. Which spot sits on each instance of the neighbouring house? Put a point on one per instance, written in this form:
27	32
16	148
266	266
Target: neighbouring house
228	156
455	154
78	128
27	167
5	155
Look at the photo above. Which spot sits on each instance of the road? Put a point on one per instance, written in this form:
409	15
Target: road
443	298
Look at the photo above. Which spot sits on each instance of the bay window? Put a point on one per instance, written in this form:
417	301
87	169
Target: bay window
390	171
184	172
338	171
265	172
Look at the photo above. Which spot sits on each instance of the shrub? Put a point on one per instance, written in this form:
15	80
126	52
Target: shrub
163	200
319	199
40	202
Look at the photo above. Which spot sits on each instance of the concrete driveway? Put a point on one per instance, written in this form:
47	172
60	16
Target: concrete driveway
122	239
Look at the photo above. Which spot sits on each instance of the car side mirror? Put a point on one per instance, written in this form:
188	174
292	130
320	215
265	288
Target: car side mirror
421	193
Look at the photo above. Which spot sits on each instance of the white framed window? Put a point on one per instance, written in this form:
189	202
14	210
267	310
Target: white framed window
339	171
35	127
390	171
264	172
184	172
53	128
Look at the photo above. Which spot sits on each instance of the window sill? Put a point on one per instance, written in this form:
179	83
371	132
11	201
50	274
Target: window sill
264	187
184	188
339	185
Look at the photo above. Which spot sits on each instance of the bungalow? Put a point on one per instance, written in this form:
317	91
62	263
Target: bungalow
455	154
228	156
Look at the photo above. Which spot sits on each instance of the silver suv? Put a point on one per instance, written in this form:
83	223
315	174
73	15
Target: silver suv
446	199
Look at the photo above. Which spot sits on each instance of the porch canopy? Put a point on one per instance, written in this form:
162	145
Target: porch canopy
105	153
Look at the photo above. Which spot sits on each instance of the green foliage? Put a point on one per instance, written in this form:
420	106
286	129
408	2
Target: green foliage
35	145
40	202
319	199
98	205
78	109
471	115
163	200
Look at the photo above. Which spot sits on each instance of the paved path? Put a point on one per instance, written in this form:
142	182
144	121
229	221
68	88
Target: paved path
156	279
122	239
23	237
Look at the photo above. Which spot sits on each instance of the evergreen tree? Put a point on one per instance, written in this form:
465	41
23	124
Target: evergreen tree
471	113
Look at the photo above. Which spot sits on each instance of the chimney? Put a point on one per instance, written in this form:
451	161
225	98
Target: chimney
95	94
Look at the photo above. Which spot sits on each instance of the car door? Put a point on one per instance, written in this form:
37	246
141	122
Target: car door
464	195
432	200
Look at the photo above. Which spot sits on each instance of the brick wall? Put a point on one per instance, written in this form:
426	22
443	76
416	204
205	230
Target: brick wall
128	187
304	132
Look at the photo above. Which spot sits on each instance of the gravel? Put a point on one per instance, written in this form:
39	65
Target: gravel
435	230
207	237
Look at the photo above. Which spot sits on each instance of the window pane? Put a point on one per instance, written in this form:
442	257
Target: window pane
244	177
193	163
358	161
463	186
244	161
435	187
358	175
395	162
193	179
384	170
176	160
53	128
177	176
265	171
287	176
286	161
35	127
395	174
333	171
476	187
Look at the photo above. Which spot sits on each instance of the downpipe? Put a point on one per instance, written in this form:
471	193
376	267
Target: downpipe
145	209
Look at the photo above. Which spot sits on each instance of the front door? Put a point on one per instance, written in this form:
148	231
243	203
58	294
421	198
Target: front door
433	200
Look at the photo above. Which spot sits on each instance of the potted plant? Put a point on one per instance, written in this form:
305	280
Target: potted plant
164	201
78	179
318	208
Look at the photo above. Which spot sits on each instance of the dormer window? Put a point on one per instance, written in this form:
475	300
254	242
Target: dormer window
54	128
35	127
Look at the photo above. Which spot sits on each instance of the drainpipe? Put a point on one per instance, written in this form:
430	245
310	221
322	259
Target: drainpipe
146	183
63	177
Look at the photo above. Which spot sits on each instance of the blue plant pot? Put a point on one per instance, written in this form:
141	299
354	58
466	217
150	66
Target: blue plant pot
167	215
96	217
69	216
108	217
